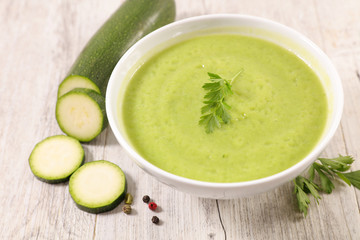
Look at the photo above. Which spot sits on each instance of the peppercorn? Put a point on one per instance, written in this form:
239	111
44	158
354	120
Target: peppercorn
152	206
146	199
155	219
126	209
128	198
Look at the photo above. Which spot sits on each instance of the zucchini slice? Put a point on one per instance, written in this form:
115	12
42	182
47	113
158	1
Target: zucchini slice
55	158
76	81
98	186
81	114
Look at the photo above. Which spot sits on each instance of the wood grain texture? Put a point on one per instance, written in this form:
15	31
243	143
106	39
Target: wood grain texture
41	39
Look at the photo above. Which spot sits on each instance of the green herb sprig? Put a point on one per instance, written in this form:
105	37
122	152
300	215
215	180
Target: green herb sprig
326	169
215	110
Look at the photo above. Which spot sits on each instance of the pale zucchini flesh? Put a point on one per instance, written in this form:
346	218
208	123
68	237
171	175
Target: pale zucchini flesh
80	113
98	186
76	81
55	158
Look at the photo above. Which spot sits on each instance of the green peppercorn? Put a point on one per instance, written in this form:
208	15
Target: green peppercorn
128	198
126	209
146	199
155	219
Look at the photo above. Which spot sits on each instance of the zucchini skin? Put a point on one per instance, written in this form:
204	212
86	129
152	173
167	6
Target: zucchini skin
128	24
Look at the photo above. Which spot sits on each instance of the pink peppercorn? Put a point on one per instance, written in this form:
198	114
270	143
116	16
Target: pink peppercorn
152	206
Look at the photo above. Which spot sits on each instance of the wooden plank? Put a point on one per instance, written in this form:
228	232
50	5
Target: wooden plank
343	48
40	40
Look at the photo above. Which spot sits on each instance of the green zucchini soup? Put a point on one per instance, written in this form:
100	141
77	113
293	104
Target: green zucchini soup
278	109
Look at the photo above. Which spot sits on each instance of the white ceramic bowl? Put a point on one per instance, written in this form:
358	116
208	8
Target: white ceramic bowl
225	23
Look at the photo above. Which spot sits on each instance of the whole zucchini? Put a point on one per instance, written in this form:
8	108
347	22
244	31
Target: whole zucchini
92	69
129	23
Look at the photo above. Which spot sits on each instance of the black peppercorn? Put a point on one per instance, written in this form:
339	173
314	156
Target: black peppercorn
155	219
146	199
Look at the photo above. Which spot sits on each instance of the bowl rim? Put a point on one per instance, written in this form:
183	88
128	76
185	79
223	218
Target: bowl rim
286	174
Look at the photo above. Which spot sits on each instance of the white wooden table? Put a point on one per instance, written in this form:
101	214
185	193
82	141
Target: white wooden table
39	41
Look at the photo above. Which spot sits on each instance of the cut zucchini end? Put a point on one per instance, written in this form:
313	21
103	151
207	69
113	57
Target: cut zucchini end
76	81
98	186
55	158
81	114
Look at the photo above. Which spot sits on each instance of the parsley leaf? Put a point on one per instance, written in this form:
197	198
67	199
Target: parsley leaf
341	163
302	187
325	182
326	169
354	178
215	110
302	198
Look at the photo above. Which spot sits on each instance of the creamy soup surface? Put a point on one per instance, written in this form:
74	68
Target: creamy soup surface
278	109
